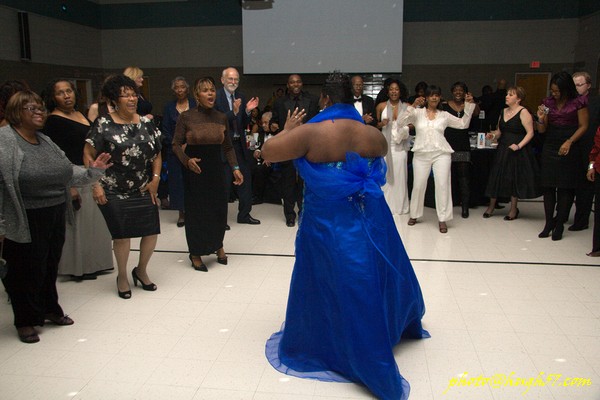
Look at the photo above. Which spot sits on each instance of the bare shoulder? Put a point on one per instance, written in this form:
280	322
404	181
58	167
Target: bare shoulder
343	136
370	142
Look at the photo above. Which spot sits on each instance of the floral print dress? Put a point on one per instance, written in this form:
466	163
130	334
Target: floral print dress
133	148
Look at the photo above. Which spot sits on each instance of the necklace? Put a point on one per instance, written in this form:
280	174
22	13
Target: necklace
510	112
183	108
126	121
461	107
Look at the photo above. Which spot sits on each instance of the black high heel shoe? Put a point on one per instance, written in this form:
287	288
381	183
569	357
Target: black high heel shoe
201	267
221	260
509	218
124	295
558	232
150	287
547	229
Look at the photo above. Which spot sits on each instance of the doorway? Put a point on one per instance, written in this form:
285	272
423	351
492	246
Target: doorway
536	85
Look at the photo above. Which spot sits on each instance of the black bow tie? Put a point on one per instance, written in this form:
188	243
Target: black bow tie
358	99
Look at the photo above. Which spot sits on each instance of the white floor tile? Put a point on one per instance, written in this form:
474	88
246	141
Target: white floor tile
498	299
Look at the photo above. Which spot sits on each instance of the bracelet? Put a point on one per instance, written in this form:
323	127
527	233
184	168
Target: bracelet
493	136
157	175
236	168
518	147
591	166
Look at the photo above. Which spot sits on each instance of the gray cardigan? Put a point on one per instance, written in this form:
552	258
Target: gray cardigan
13	217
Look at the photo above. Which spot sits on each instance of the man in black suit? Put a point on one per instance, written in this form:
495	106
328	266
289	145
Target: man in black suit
364	104
234	105
584	193
291	183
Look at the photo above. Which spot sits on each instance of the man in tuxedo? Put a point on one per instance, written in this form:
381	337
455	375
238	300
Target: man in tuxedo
291	183
234	105
364	104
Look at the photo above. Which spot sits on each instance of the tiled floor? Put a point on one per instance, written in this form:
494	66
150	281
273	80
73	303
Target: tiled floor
499	301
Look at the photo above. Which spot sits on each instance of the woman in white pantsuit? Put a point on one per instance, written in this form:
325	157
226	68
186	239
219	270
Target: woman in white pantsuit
431	150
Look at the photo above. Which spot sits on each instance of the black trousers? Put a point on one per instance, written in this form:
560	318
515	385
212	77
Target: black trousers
292	186
584	198
33	267
260	175
596	236
244	191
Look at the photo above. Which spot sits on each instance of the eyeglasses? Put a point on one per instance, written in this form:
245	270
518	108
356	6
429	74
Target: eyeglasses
35	109
129	96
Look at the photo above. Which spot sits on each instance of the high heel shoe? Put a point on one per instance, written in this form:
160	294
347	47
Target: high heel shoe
547	229
62	321
509	218
558	232
28	334
443	227
201	267
124	295
221	260
487	214
412	221
150	287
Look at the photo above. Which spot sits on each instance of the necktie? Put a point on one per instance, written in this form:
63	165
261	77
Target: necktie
236	133
358	99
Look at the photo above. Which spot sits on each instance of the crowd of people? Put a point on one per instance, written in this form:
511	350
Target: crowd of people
106	174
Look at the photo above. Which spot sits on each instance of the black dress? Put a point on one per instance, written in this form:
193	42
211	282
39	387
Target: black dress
458	139
144	107
129	212
562	171
205	194
514	173
88	244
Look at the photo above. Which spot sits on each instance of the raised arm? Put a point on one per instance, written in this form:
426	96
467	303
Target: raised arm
407	117
288	144
462	122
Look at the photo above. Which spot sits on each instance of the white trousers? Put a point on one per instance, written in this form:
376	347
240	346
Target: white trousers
422	165
396	188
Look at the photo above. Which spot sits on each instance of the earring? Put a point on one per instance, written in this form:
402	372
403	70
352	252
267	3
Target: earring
116	107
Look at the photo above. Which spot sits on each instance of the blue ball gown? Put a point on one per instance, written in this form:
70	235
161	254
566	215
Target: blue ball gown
353	293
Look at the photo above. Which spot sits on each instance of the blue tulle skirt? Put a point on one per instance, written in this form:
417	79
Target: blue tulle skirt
354	293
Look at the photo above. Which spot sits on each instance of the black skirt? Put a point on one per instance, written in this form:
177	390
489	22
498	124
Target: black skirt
133	217
205	200
560	171
514	173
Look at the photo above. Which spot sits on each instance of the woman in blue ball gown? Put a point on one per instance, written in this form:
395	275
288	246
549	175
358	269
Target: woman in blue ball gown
353	293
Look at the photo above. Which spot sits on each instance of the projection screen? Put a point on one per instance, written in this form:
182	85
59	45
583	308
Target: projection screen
318	36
